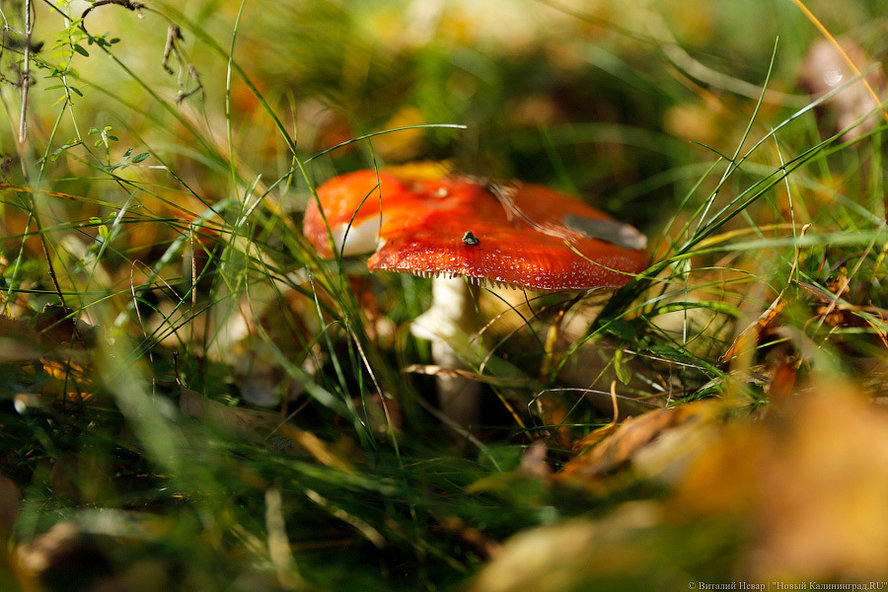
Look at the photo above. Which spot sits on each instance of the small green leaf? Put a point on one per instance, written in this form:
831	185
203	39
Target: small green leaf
58	151
79	49
624	373
621	330
140	157
103	229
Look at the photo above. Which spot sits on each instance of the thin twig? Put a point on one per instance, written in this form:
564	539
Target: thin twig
174	33
134	6
26	72
171	48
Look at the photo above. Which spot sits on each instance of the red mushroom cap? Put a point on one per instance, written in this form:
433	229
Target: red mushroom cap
519	235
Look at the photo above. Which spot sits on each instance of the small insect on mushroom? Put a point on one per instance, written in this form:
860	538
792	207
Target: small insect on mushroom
470	239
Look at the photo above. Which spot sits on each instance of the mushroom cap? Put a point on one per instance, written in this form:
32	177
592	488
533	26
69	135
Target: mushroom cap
520	235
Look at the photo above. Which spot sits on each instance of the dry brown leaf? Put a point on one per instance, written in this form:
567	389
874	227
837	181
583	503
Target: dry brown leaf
573	555
799	492
810	482
749	337
633	435
594	437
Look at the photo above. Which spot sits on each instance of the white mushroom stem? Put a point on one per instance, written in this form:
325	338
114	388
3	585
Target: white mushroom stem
451	325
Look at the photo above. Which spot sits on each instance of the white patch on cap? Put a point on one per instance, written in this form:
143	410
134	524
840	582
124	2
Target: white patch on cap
356	240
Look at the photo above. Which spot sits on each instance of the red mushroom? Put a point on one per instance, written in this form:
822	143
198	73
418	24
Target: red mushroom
518	235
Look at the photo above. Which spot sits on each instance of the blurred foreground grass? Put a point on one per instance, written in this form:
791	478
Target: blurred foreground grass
191	399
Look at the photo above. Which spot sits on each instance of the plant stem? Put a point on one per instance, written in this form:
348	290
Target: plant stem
26	73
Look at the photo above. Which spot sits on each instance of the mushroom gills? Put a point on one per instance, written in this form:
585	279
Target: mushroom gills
481	282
